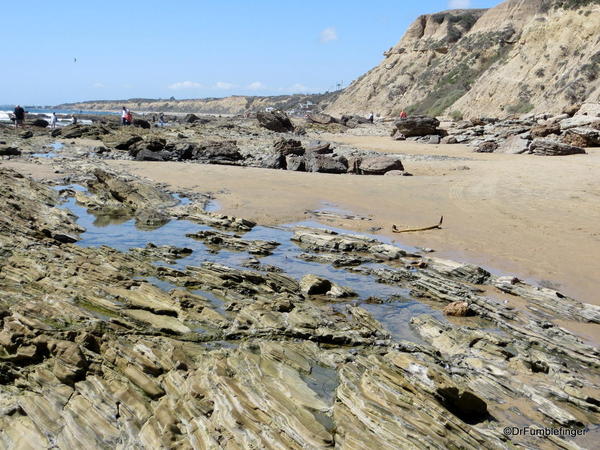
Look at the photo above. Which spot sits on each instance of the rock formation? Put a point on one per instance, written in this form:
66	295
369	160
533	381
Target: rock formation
518	57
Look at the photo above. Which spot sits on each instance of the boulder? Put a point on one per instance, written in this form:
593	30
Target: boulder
26	134
289	147
148	155
275	121
141	123
457	309
322	148
321	118
273	159
418	126
545	130
324	164
582	137
448	140
6	150
589	109
571	110
125	142
487	147
579	121
72	132
514	145
40	123
314	285
217	152
397	136
434	139
153	144
192	118
295	163
379	165
546	147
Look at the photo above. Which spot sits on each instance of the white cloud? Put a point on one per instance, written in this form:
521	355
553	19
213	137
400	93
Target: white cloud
98	85
224	85
328	34
185	85
256	86
459	4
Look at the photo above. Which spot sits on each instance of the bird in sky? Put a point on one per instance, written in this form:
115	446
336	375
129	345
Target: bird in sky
74	60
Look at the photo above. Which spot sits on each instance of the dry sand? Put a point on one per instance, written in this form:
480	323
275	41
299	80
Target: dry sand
534	217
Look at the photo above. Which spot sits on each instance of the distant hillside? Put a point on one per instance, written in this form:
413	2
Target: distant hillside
520	56
294	104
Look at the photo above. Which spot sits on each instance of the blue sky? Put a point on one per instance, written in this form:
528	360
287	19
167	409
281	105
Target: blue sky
195	48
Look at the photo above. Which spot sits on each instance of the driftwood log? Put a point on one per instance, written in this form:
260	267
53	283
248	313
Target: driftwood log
411	230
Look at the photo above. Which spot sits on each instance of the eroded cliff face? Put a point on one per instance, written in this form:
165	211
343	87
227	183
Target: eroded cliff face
521	56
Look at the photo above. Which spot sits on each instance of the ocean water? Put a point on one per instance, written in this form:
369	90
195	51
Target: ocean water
64	115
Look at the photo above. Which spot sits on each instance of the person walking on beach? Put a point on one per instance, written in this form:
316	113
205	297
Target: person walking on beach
161	120
371	118
74	119
19	116
53	120
129	118
124	115
403	115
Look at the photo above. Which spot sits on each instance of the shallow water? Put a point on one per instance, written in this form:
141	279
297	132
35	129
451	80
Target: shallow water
122	233
56	146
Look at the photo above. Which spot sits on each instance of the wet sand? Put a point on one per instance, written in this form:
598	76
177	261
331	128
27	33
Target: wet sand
534	217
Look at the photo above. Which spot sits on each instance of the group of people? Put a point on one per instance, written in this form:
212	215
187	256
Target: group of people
126	117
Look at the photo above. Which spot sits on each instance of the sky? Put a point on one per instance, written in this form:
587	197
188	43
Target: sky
67	51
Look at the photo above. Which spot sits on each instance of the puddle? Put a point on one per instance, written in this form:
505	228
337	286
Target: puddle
56	146
122	234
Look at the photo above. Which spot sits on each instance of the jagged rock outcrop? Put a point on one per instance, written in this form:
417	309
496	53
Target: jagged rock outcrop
520	56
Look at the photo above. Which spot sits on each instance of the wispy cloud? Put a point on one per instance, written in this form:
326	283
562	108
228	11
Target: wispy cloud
224	85
98	85
459	4
328	35
185	85
256	86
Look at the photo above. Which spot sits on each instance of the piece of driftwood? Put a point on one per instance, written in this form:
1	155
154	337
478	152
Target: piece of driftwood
411	230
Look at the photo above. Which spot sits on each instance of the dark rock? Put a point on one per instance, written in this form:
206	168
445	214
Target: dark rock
101	150
449	140
379	165
487	147
217	152
154	144
546	147
141	123
324	164
193	118
289	147
9	151
127	142
56	132
149	155
40	123
418	126
275	121
295	163
26	134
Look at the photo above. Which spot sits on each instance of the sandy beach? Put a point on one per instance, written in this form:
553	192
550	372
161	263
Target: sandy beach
536	218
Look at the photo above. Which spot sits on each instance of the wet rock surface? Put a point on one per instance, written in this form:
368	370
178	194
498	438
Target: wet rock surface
256	337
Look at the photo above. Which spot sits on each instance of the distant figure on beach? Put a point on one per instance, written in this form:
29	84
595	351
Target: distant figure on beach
403	115
53	120
19	116
371	118
74	119
161	120
129	118
124	115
